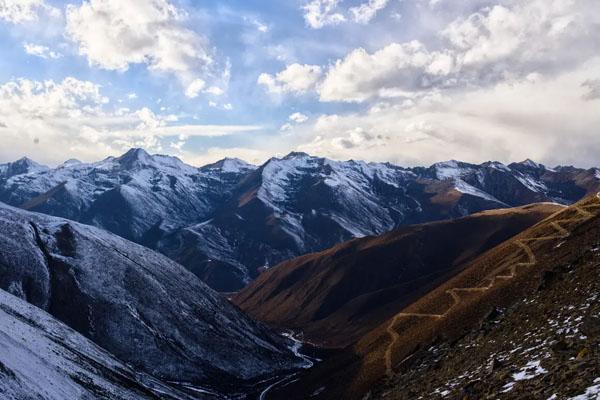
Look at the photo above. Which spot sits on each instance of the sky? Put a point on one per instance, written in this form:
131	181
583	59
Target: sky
410	82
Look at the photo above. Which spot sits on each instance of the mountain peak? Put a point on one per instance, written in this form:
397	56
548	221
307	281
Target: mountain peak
136	152
228	164
71	162
451	169
496	165
23	165
25	161
531	164
448	163
135	157
296	154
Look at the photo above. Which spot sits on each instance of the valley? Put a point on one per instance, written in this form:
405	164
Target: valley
338	295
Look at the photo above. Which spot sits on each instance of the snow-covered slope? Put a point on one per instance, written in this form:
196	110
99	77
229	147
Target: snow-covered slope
42	358
142	307
228	220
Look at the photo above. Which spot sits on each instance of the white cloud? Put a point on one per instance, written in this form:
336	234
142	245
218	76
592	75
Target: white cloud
551	119
294	120
295	78
406	67
365	12
256	23
492	45
298	118
433	3
261	27
215	91
132	96
286	127
499	32
593	87
320	13
223	106
40	51
20	11
113	34
52	121
194	88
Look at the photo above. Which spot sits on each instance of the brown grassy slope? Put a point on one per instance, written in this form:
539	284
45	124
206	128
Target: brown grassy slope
497	279
558	326
336	296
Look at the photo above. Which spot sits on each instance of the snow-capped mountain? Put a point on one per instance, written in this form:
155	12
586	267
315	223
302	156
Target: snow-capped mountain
136	195
229	220
19	167
287	207
142	307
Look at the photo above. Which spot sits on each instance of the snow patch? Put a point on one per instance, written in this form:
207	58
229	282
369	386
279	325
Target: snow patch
529	371
449	170
465	188
531	184
591	393
296	347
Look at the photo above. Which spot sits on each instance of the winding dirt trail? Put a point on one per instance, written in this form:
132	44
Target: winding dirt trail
494	276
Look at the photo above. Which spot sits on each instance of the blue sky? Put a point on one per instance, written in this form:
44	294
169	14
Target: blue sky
406	81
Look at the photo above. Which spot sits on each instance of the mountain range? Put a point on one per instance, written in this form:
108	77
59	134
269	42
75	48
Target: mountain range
229	221
353	280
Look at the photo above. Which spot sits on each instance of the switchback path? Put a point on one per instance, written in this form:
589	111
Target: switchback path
494	276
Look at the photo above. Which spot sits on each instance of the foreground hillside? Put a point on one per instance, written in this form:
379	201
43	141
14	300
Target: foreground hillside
44	359
515	277
145	309
228	221
336	296
546	345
